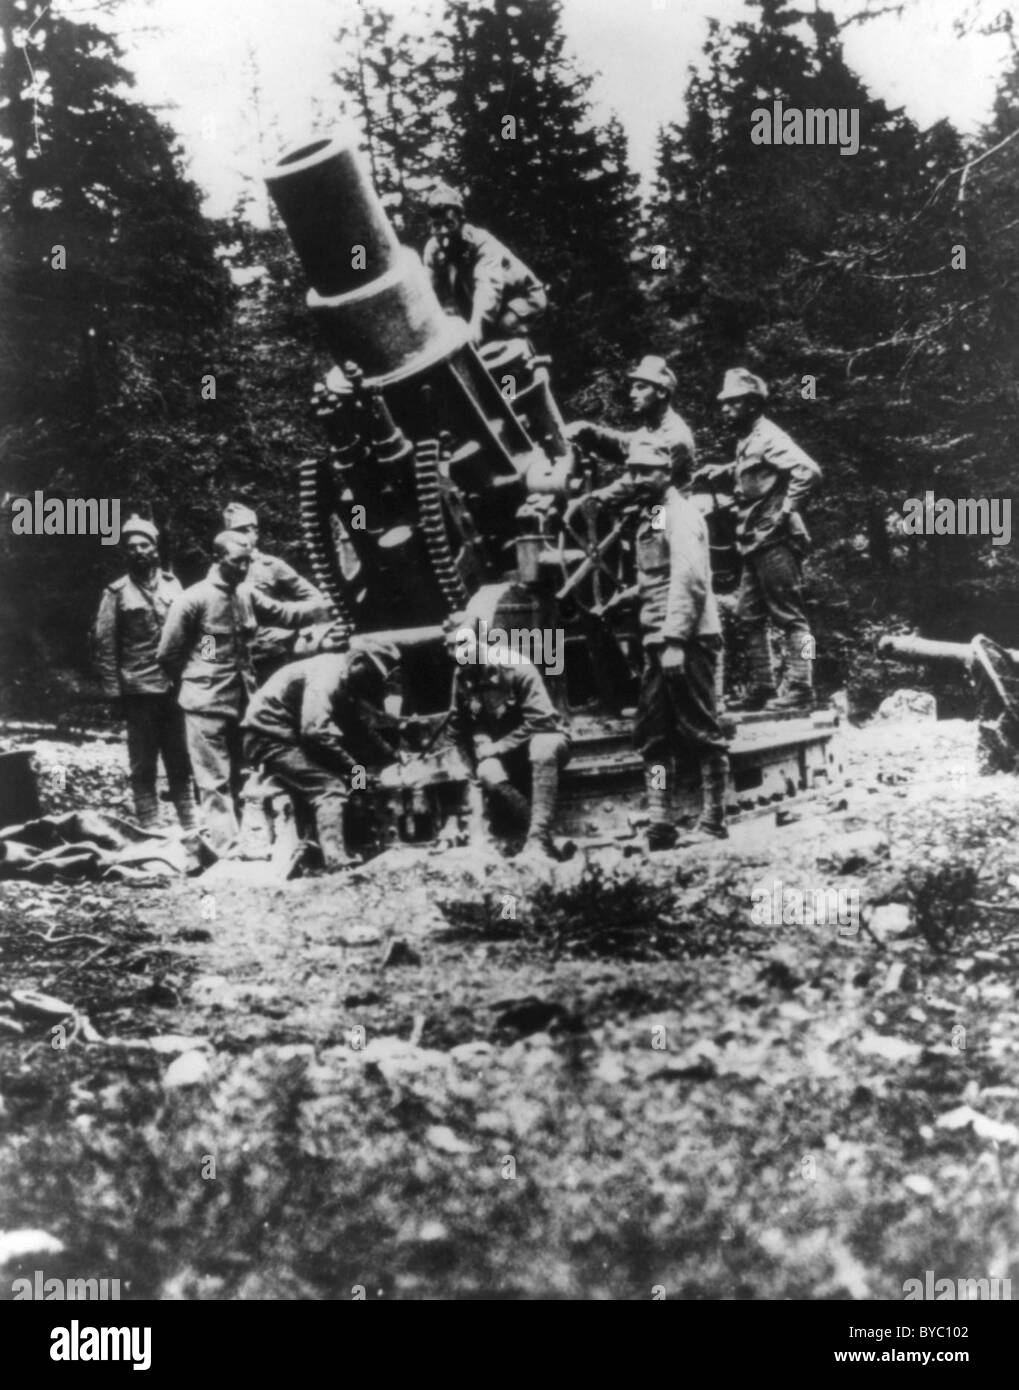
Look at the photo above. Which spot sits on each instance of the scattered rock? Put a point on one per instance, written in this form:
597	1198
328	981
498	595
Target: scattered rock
891	1049
170	1043
909	704
889	919
396	1058
188	1070
983	1126
441	1137
15	1245
918	1184
399	953
432	1231
31	1004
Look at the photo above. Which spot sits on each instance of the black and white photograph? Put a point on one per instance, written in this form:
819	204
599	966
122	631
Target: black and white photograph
509	662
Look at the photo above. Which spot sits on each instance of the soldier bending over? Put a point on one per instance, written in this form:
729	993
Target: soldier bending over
310	725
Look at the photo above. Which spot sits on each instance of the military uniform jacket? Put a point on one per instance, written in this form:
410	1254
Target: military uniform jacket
480	278
677	601
208	638
126	635
770	469
307	705
525	709
276	579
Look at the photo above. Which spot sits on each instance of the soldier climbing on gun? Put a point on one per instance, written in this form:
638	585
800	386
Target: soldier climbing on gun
477	277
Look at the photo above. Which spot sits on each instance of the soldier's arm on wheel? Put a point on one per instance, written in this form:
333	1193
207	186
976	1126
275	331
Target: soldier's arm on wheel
606	442
105	645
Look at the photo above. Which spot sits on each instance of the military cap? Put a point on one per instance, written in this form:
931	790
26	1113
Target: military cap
739	382
237	514
442	196
138	526
656	371
386	655
227	539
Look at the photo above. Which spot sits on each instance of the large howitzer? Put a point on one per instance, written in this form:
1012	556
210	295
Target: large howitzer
449	483
448	467
993	673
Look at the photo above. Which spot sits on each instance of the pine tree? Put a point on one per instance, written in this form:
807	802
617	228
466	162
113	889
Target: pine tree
799	261
543	177
113	294
396	90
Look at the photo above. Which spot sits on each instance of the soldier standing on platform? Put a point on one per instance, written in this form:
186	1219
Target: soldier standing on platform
677	727
771	477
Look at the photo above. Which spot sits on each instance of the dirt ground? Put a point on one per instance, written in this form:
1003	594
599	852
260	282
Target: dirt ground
456	1077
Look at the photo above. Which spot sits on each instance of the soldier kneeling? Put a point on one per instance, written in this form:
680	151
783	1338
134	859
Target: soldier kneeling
311	723
503	722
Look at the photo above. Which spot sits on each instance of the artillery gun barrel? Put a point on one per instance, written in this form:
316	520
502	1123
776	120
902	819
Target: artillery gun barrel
431	457
921	649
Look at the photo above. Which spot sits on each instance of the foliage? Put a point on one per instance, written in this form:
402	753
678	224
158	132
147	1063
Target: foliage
101	362
800	261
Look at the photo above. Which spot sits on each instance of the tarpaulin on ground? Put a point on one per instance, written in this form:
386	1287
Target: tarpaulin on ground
89	845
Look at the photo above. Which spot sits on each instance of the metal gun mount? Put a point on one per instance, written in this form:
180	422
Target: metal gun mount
448	483
993	672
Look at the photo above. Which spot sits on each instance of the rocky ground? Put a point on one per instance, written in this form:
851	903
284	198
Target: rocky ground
455	1077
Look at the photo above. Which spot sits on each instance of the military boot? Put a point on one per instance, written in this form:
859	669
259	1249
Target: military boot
146	810
711	826
661	832
761	685
544	791
332	835
508	806
187	812
798	687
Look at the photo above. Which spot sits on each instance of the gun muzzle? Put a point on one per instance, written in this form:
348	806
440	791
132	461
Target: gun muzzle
371	296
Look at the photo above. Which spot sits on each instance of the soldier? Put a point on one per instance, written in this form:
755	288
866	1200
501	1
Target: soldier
677	719
502	721
206	643
310	724
652	387
477	277
130	620
771	478
273	646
